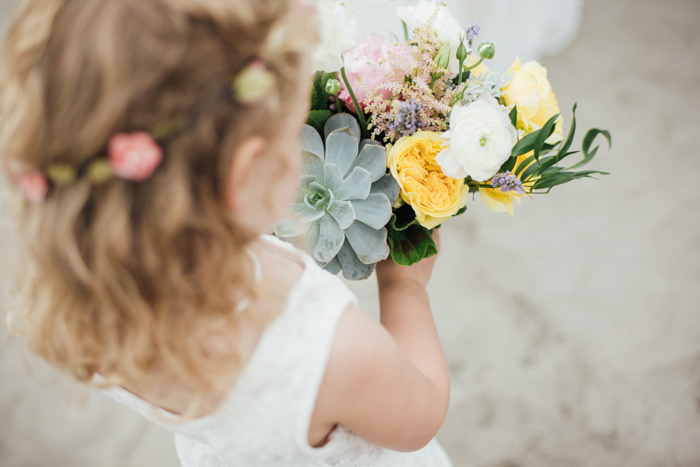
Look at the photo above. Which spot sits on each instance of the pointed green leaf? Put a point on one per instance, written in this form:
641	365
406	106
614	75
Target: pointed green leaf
588	154
543	134
570	137
514	116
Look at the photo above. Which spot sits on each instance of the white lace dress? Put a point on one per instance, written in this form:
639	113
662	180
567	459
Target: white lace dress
265	420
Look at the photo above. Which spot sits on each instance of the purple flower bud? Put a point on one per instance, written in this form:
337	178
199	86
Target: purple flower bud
508	182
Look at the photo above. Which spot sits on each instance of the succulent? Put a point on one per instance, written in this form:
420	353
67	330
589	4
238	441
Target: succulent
345	199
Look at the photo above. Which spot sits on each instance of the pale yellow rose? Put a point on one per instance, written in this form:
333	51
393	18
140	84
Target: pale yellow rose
532	93
434	196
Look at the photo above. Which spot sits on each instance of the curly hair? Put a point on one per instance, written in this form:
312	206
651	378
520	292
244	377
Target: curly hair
119	275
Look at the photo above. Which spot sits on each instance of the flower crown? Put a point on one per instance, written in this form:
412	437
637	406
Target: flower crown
136	156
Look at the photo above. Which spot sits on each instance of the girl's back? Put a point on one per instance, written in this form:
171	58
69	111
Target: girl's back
155	144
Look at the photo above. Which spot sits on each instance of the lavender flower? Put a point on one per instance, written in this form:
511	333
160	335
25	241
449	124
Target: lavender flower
408	120
508	182
472	31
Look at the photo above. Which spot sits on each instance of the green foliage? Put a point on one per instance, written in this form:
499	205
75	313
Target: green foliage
320	99
545	172
409	241
318	119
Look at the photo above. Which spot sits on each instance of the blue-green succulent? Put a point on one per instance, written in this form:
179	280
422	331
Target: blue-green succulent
345	199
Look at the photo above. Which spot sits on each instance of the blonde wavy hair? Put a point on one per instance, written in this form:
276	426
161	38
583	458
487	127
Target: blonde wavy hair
119	275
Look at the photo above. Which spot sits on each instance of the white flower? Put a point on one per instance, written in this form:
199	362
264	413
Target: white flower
480	140
446	26
339	34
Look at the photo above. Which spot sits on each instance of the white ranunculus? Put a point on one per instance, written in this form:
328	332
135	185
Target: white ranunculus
480	140
447	27
339	34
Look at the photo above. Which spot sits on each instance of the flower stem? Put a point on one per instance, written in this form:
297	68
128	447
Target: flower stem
358	109
338	106
405	30
476	64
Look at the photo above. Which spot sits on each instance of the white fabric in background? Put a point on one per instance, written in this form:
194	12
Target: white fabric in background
527	29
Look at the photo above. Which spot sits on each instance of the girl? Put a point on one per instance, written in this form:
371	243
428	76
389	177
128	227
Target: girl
154	144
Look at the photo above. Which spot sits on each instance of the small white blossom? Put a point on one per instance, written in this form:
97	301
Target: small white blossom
480	140
339	34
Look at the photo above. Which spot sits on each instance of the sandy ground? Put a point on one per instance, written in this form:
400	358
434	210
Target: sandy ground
572	329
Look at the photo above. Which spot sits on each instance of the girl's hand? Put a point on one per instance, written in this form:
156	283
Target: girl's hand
389	272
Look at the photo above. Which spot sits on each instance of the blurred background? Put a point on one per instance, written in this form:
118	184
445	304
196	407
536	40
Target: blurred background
572	329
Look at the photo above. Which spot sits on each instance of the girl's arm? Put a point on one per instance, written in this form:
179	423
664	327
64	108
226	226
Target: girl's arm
388	382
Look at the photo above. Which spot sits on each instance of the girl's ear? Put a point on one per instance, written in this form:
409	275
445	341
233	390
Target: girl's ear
240	183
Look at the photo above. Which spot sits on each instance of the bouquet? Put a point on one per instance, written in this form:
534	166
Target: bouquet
401	133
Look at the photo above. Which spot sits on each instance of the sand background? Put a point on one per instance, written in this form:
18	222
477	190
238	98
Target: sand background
572	330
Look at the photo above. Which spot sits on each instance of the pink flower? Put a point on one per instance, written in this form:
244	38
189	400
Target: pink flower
134	156
366	67
34	186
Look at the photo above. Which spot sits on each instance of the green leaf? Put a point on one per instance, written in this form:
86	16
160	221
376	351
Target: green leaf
542	135
403	218
538	167
564	177
588	155
410	245
570	137
318	119
508	165
320	99
524	145
523	165
514	116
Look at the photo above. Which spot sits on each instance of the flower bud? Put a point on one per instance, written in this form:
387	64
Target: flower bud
462	52
487	50
333	87
442	59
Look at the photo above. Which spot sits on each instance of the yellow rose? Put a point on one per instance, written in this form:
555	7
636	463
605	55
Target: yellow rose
434	196
531	91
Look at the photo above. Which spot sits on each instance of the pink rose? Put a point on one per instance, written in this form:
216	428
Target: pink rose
34	186
366	66
134	156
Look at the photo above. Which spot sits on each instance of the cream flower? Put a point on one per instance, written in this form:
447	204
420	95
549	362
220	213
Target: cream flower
532	93
480	140
339	34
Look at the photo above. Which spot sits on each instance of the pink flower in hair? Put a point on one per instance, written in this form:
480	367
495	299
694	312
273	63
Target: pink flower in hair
34	186
134	156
